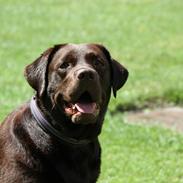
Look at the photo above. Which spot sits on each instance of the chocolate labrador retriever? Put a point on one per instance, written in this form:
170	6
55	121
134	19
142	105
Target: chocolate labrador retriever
54	137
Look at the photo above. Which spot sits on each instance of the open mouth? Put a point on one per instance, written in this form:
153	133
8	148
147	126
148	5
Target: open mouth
83	105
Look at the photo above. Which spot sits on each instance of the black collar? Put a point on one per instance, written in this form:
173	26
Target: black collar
48	128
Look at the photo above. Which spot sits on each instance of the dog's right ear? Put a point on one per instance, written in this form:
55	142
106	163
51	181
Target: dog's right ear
35	73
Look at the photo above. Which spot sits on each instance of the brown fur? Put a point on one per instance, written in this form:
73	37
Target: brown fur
61	74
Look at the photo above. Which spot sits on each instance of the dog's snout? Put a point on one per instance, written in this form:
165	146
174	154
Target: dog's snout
86	75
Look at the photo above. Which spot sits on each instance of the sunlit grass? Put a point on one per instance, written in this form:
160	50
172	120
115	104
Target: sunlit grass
139	154
144	35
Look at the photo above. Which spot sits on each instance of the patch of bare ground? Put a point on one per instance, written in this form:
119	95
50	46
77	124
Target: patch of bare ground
170	117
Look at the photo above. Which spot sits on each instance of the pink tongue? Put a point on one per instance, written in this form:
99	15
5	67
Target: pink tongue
86	108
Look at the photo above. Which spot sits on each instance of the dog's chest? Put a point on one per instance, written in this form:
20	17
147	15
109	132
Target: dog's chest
76	166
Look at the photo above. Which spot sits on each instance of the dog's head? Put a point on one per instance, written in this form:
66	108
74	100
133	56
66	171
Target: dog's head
77	80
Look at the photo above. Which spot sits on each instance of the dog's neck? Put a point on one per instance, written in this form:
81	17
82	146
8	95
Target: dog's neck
50	129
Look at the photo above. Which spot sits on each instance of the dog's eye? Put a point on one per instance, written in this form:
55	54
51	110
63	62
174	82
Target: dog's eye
64	65
98	63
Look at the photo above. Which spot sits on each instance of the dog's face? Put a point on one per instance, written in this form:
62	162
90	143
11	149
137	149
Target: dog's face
77	79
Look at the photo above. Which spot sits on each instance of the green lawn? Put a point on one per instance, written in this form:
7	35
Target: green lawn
138	154
145	35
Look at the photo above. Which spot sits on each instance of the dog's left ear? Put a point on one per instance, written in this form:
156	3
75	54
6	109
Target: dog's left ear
119	76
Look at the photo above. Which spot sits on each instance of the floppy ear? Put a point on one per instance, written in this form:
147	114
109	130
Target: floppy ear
35	73
119	76
119	73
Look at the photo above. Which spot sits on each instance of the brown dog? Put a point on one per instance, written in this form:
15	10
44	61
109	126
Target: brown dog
54	137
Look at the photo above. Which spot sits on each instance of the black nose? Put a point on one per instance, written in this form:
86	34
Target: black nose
84	74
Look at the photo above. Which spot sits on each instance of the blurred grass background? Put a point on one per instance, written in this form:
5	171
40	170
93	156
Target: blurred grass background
144	35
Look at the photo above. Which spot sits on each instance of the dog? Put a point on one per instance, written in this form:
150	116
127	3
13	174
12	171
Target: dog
54	136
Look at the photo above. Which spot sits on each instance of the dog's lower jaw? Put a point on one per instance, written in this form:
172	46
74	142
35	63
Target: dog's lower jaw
83	119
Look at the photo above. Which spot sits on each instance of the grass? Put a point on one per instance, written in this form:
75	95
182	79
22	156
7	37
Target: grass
138	154
145	35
